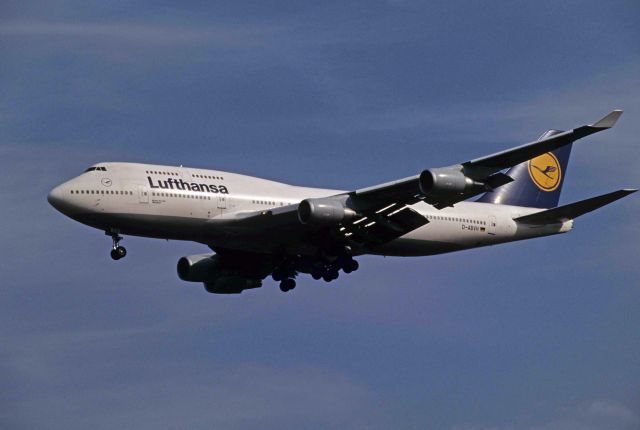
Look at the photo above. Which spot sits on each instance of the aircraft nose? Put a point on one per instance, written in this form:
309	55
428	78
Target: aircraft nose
56	198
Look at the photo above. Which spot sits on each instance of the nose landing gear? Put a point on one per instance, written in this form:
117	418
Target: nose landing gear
117	251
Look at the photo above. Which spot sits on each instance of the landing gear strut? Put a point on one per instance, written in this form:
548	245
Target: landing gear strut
117	251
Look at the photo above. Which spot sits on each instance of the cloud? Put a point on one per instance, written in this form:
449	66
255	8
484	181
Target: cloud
220	395
611	410
141	34
592	415
333	94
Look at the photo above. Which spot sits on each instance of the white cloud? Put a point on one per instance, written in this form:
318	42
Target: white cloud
609	409
222	396
592	415
144	34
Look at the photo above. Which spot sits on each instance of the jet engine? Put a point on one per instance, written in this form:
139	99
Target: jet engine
209	269
323	211
199	268
446	182
231	285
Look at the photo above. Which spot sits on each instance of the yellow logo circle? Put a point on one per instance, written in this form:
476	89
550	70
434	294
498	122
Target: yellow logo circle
545	171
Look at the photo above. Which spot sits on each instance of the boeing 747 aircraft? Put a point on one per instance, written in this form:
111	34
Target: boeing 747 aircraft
259	228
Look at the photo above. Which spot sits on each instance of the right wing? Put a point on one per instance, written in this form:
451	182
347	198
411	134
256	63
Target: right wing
481	167
463	181
371	216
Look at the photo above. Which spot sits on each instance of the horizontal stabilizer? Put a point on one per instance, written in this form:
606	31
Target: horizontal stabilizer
573	210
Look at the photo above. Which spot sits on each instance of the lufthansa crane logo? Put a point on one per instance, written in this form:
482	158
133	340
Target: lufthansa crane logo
545	172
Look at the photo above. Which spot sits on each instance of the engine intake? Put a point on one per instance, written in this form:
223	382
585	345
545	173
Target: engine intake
323	211
199	268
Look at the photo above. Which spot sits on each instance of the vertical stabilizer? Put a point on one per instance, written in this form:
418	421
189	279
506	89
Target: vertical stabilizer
536	183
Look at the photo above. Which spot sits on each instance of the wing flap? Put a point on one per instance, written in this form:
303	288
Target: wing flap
383	226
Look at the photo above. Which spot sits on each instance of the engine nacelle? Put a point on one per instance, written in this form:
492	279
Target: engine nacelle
217	278
323	211
445	181
231	285
199	268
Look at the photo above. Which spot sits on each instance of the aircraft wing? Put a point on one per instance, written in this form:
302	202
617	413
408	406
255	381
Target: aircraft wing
481	167
283	226
372	216
445	186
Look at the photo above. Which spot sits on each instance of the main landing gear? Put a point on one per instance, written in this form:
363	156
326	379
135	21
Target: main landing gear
328	270
287	284
285	274
117	251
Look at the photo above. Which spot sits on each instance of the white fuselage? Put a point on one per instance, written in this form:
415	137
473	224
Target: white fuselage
189	204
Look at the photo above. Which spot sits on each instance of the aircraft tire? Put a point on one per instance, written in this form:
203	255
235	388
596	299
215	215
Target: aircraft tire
287	285
121	251
277	275
316	274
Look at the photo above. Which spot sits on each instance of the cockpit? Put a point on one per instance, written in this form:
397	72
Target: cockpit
91	169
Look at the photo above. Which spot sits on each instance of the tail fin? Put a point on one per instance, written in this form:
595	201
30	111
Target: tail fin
536	183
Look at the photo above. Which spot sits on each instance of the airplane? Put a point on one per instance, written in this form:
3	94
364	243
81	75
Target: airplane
258	228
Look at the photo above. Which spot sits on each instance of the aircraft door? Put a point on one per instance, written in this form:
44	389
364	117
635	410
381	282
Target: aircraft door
222	202
491	225
143	194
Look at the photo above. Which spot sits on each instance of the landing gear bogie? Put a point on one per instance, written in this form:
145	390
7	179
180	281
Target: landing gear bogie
350	266
330	275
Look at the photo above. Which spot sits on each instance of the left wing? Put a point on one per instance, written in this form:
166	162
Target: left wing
285	226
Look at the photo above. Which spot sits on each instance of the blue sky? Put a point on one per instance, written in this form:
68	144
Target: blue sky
539	335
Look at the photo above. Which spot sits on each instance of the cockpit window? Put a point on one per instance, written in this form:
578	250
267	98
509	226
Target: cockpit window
91	169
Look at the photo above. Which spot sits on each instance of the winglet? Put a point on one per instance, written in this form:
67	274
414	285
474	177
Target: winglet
609	120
